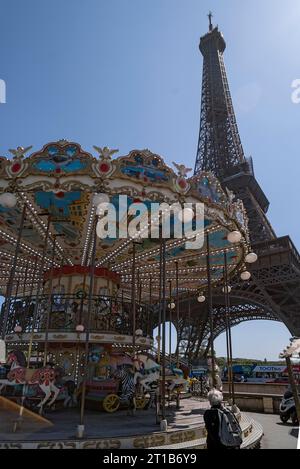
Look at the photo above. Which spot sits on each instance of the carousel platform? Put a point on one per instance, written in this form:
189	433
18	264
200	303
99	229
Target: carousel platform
119	431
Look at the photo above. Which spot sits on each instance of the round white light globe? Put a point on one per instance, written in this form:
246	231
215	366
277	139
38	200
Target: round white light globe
186	215
18	329
234	237
201	299
79	328
100	199
171	305
139	332
245	275
251	258
8	200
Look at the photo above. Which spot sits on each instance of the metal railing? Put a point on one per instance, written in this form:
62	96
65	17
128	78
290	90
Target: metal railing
66	312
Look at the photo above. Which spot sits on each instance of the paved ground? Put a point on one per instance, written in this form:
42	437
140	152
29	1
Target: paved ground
101	424
276	434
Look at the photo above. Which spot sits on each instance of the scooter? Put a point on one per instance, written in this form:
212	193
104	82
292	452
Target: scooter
287	409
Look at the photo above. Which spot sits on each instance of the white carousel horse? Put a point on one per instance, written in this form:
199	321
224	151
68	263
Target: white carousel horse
147	370
175	377
19	374
147	376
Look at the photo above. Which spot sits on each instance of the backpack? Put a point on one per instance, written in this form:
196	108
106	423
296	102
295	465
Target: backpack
230	432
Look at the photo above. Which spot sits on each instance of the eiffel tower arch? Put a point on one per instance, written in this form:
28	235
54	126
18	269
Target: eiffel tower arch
273	293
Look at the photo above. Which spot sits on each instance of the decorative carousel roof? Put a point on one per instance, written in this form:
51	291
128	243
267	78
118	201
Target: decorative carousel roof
58	184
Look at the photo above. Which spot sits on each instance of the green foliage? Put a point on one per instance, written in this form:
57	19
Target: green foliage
222	361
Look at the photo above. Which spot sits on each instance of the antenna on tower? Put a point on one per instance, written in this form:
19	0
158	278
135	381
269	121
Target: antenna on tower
210	15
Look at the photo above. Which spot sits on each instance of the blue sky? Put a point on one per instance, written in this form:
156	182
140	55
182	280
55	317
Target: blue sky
127	74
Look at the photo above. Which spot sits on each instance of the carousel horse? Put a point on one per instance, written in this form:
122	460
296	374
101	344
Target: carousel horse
147	376
176	378
146	370
45	377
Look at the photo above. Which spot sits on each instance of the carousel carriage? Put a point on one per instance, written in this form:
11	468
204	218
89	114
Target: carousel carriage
115	387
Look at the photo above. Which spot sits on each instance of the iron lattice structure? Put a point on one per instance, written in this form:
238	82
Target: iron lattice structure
273	293
219	148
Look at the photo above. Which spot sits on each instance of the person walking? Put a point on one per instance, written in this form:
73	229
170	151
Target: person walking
223	429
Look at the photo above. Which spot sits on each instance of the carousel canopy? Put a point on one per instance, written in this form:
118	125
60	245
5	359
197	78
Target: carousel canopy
58	184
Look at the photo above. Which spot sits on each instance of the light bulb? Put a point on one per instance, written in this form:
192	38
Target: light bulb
186	215
201	299
8	200
79	328
245	275
100	199
234	237
251	258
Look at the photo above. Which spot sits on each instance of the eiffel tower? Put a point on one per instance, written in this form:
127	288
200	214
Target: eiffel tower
273	293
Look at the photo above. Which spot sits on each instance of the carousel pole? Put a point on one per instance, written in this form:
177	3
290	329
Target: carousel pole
80	428
177	313
133	297
24	293
25	278
170	322
139	322
160	298
227	326
163	360
210	311
39	287
17	289
82	298
10	284
190	332
49	305
149	325
229	329
30	297
177	327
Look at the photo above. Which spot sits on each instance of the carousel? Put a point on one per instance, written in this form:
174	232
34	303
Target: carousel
88	271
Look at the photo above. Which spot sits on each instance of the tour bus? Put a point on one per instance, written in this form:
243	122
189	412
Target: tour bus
263	373
268	374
